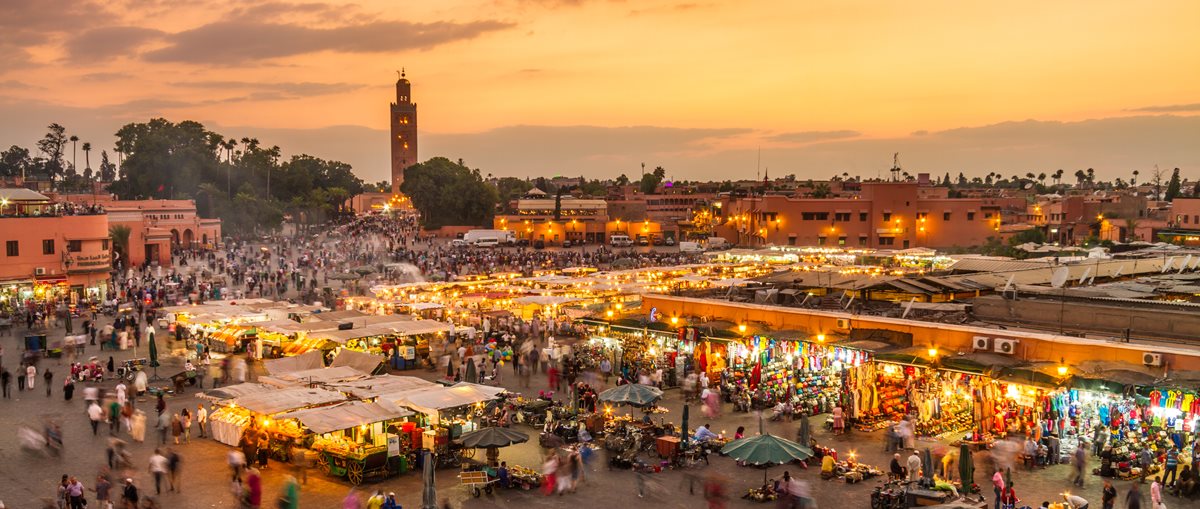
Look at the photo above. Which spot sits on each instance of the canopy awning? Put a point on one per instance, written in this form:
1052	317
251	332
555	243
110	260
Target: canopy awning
313	359
360	361
345	415
314	376
283	400
376	386
235	391
431	400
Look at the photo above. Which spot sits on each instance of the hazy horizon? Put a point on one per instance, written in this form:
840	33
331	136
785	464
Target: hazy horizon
531	88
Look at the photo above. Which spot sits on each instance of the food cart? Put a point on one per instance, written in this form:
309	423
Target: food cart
445	413
358	440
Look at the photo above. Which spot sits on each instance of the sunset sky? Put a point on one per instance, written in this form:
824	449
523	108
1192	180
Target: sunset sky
596	87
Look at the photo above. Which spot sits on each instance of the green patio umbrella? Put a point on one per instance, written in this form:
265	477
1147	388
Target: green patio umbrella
765	449
429	489
154	355
966	468
638	395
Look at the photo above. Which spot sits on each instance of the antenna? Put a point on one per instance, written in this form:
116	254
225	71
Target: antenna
896	167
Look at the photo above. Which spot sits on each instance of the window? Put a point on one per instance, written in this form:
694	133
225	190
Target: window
987	215
841	216
820	241
791	240
922	215
945	216
862	217
862	241
48	247
12	248
104	244
814	216
970	216
887	216
74	246
842	240
887	241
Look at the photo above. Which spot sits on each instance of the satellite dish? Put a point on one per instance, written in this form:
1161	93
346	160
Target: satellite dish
1167	266
1028	186
1183	266
1085	275
1060	277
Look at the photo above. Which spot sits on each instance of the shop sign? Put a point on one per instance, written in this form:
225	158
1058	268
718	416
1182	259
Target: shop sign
91	262
410	353
393	442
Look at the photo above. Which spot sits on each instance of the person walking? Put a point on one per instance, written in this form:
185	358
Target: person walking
1080	464
174	464
1109	496
130	494
1171	467
74	494
95	414
103	491
164	426
158	468
1156	493
998	485
48	376
5	381
201	419
1133	498
176	428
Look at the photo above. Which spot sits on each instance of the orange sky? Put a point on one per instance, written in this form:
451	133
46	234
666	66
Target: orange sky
813	83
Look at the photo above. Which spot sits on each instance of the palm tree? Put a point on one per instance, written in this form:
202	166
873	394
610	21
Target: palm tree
1042	178
1133	181
119	234
87	152
74	154
1058	176
1080	176
821	190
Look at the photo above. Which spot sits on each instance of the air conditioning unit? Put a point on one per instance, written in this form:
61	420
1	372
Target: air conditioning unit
1004	346
843	323
39	271
1152	359
983	343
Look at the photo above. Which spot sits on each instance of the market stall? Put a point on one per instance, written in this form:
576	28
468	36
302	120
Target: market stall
256	409
358	440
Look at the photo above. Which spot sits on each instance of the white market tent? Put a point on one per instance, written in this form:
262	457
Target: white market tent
361	361
235	391
345	415
368	388
318	376
284	400
431	401
313	359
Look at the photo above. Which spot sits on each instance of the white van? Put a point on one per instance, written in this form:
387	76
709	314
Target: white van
487	242
690	247
620	241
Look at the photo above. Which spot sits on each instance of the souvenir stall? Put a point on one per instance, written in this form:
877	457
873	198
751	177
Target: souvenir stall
939	401
810	378
257	410
358	440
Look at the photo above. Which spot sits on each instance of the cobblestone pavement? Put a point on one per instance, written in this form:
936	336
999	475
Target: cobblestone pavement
26	477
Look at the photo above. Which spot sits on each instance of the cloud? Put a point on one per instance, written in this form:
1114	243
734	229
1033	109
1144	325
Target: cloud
18	85
1170	108
106	43
307	11
32	23
100	77
238	41
812	136
282	90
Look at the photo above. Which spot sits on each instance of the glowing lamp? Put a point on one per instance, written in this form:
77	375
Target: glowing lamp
933	351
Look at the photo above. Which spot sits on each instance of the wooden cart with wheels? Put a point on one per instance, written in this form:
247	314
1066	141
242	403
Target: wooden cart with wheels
356	466
477	481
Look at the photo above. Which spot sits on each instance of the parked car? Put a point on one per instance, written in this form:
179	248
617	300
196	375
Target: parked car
670	241
458	243
642	240
523	242
566	243
658	241
539	244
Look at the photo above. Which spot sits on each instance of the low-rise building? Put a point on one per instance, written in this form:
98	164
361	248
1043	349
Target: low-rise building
53	252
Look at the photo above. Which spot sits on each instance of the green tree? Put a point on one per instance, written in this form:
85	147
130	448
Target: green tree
119	234
1173	185
108	171
53	145
509	189
447	193
15	162
87	160
622	180
821	190
74	154
650	181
